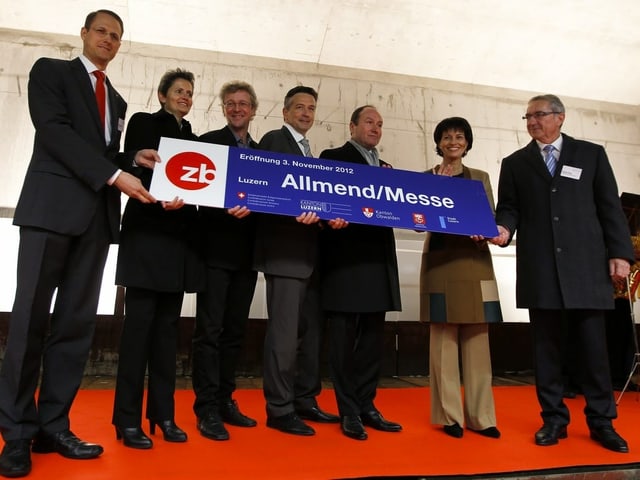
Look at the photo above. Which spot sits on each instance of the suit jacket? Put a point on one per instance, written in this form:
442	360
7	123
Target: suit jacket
568	228
283	246
159	249
71	163
358	264
228	242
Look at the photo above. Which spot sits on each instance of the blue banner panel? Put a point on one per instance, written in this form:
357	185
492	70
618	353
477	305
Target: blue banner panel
286	184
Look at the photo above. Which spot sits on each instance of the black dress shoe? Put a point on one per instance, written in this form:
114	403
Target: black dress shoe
375	419
170	431
550	433
133	437
66	444
232	415
454	430
352	427
491	432
609	438
316	415
15	459
290	423
211	426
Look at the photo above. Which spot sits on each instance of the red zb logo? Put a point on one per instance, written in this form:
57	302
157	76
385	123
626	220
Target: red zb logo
190	170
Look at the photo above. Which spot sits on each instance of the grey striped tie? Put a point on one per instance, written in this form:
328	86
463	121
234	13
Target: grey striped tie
307	148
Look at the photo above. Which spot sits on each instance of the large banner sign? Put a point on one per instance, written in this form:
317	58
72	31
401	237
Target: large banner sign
221	176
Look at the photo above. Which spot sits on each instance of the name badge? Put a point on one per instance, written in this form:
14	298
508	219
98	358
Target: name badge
571	172
120	124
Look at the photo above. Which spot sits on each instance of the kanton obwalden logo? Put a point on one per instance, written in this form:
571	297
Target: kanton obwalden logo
190	171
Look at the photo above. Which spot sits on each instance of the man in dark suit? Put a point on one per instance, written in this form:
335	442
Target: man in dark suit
286	251
223	308
359	284
561	196
68	213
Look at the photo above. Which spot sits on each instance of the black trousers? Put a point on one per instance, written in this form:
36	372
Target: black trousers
587	328
221	319
355	354
59	342
148	341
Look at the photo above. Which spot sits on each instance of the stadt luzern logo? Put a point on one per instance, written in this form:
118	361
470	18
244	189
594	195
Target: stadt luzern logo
190	170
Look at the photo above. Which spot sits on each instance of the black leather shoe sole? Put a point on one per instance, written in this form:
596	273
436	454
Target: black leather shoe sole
491	432
213	431
170	431
238	420
231	414
15	470
317	415
352	427
67	445
294	426
548	436
15	460
454	430
133	438
610	440
380	423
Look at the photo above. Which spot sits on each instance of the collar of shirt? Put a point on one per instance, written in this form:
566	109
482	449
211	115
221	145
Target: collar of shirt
557	143
90	68
371	156
239	141
297	136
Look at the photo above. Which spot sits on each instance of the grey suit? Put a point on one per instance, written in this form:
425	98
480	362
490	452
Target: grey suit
67	217
286	251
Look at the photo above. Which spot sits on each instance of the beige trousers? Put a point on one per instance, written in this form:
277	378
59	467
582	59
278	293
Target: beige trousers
447	407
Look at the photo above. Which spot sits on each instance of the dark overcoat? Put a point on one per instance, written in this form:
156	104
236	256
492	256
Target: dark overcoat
568	226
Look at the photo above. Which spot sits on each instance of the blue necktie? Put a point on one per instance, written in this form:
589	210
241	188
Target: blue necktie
550	159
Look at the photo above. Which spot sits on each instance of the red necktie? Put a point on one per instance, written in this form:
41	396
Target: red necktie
100	95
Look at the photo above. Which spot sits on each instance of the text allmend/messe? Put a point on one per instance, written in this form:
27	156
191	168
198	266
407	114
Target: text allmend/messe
385	192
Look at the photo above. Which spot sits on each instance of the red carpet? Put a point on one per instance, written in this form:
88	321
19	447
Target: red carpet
263	453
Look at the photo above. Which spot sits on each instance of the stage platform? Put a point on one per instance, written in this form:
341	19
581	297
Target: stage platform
420	451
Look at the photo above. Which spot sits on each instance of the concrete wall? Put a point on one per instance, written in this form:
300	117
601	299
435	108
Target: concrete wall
410	107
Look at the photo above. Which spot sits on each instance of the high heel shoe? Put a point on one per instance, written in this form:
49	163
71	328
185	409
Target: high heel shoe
454	430
133	437
170	431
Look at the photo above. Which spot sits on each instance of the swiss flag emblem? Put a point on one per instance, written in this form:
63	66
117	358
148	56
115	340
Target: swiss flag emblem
367	211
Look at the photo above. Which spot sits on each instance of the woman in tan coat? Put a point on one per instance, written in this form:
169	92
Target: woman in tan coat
459	297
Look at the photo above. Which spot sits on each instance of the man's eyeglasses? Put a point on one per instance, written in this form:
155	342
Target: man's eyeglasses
537	115
103	33
242	104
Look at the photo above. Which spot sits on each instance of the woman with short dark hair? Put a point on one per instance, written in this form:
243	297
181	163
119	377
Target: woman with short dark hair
157	262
